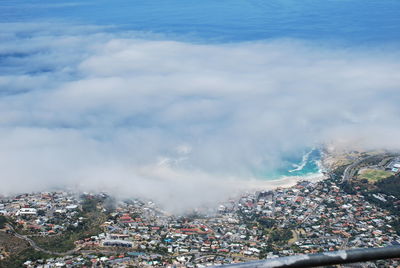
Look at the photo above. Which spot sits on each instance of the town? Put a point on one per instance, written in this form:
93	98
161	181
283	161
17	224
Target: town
85	230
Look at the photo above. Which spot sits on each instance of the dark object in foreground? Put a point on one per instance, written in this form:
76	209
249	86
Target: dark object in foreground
327	258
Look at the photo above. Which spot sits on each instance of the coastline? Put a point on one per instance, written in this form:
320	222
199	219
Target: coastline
284	182
290	181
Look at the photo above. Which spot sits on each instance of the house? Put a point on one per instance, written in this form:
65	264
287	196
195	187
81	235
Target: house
27	211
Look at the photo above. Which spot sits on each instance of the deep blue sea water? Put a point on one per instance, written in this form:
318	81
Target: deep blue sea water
343	21
340	22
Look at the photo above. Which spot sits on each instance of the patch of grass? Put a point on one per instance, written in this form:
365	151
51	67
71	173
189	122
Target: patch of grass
373	175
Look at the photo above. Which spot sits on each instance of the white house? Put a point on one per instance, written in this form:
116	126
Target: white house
26	211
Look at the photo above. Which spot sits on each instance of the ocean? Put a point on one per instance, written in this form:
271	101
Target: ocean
305	163
345	22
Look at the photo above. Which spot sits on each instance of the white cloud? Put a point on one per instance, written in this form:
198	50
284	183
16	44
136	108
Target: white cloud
89	108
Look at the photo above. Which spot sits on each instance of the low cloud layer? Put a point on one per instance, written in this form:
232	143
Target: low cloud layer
179	122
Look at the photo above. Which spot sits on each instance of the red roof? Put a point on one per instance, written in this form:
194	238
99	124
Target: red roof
189	230
299	199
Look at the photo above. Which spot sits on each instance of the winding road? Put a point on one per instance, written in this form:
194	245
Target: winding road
36	247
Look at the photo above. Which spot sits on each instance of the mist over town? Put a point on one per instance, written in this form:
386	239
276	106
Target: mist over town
144	134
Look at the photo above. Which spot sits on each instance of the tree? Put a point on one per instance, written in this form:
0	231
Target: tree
3	221
266	222
41	213
280	235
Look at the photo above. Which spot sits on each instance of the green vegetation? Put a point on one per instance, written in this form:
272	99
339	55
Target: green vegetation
396	225
90	205
25	255
280	236
17	251
390	186
266	222
3	221
93	218
57	243
338	172
373	175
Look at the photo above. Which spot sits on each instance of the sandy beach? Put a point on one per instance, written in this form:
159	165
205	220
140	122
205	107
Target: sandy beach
251	185
284	182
